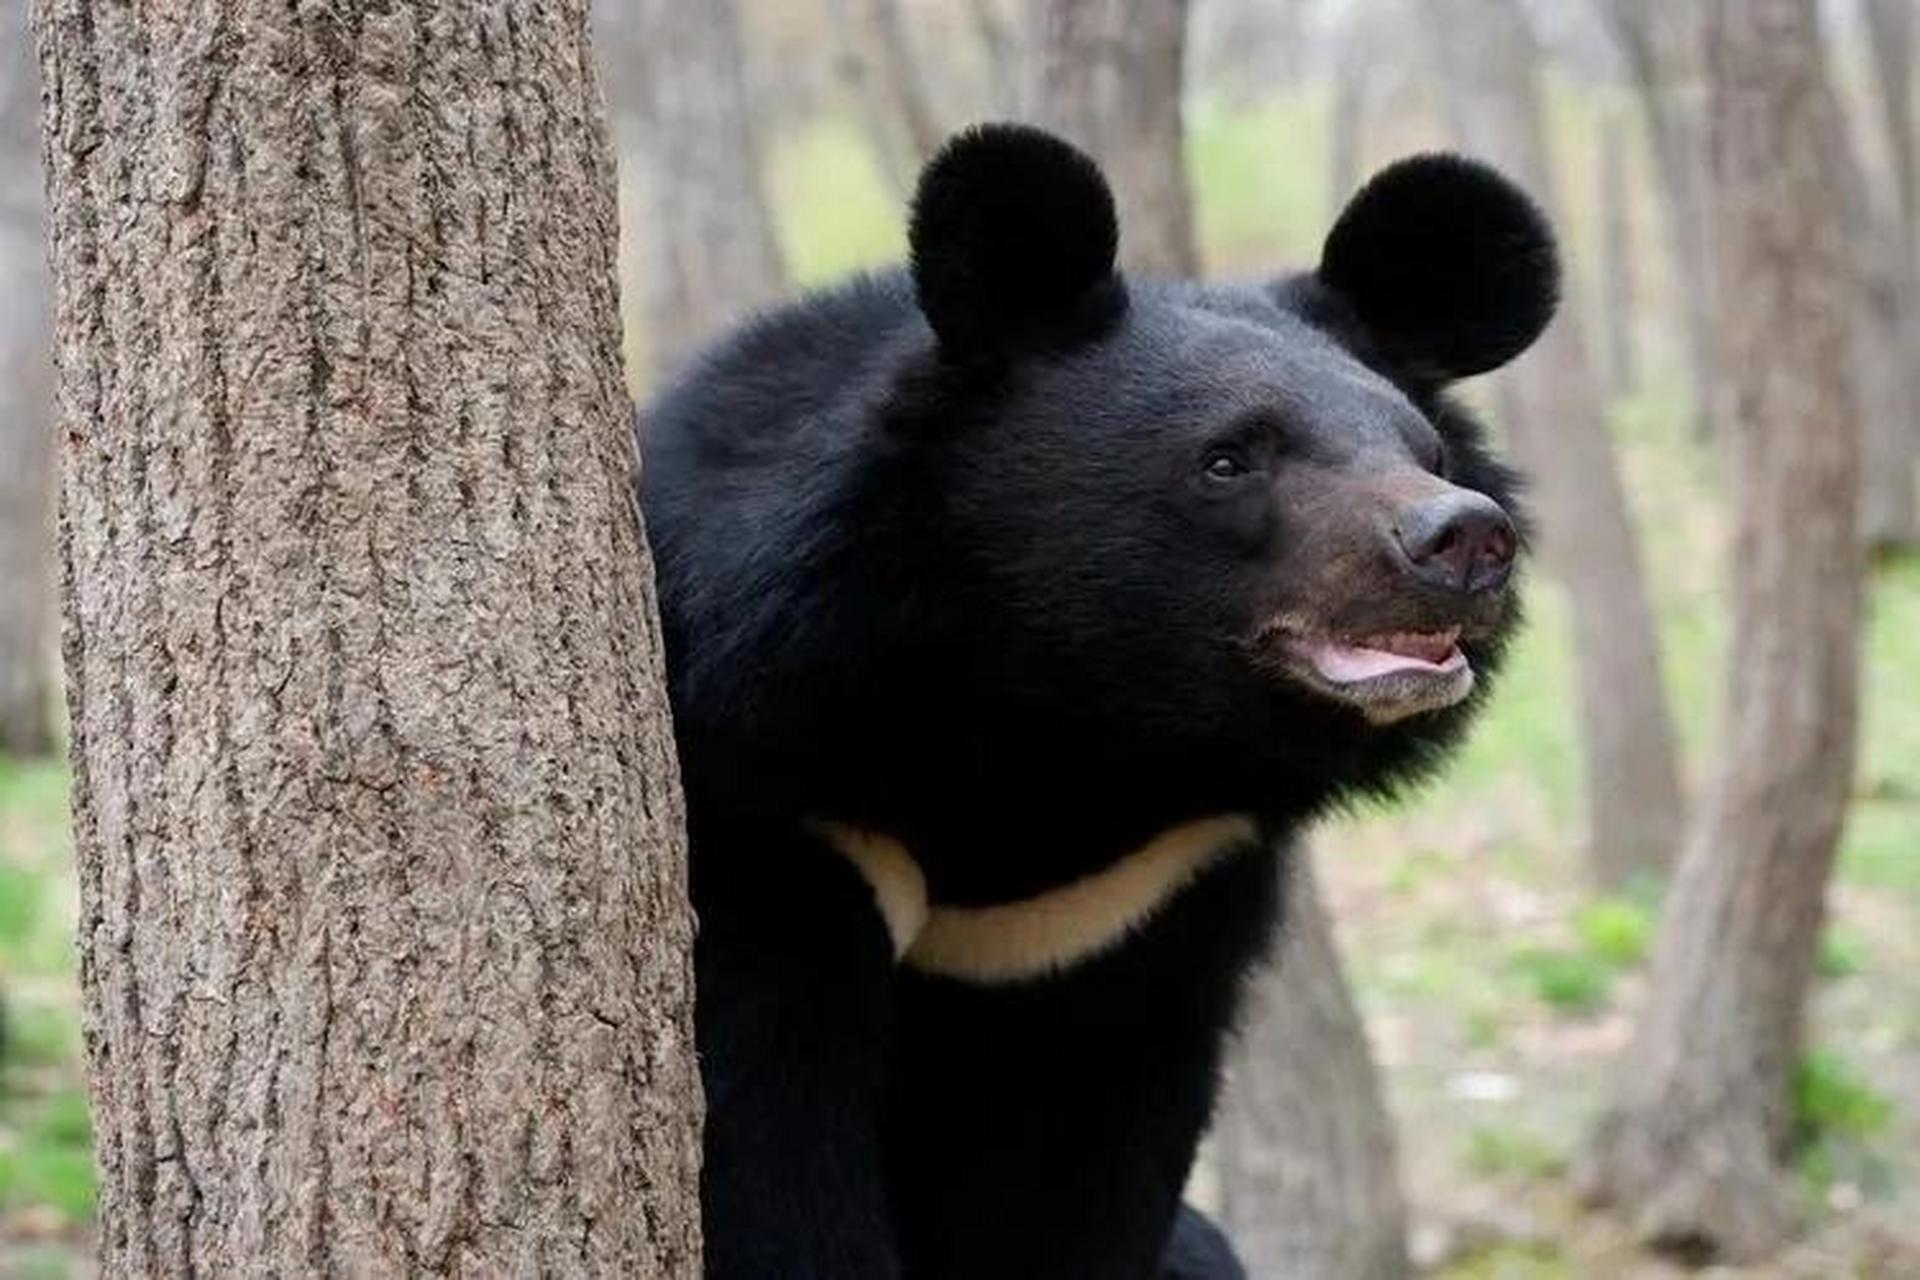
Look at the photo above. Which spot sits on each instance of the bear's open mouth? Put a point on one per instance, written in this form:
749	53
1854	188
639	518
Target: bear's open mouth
1386	676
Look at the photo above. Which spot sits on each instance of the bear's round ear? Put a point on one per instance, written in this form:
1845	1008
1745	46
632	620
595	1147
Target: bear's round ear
1013	239
1451	267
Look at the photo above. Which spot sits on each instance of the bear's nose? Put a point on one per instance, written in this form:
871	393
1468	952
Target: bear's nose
1460	540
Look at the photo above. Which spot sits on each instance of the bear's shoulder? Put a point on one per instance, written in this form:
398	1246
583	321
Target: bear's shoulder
790	365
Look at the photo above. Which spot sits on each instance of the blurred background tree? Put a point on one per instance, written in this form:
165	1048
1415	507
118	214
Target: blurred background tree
1703	1116
706	245
26	418
1108	74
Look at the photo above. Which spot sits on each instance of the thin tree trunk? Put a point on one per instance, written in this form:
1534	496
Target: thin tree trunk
853	67
26	500
1617	311
1108	74
906	81
1888	325
1886	351
1352	62
1890	42
383	937
1660	41
1001	53
1559	435
1689	1150
708	251
1309	1187
26	421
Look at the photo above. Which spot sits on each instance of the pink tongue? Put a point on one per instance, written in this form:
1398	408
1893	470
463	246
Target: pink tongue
1347	663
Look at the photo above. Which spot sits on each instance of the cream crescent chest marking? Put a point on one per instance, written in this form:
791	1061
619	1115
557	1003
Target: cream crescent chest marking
1051	931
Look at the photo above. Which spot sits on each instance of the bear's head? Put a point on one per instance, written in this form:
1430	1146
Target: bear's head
1139	550
1239	512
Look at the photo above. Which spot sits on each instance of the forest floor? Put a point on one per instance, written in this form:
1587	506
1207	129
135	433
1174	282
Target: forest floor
1498	991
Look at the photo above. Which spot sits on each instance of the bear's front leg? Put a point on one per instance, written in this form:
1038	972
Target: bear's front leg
794	1014
1044	1128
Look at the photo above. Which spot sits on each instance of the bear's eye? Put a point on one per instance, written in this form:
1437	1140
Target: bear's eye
1224	465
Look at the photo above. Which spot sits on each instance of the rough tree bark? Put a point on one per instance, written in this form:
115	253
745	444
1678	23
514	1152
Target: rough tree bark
1660	41
383	935
708	250
1689	1149
1489	61
1309	1187
1617	309
1887	333
26	420
1108	74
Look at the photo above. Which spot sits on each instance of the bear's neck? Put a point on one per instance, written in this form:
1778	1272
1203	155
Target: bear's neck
995	849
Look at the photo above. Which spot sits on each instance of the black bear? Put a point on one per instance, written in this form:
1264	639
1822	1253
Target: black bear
1016	613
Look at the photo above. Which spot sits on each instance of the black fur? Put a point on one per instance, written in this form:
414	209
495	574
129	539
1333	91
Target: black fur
1013	243
1450	266
941	555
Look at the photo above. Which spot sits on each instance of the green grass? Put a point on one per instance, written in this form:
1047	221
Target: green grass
1567	981
1838	1114
1502	1151
1881	846
46	1158
1616	930
46	1153
20	894
1832	1098
57	1176
1843	953
40	1035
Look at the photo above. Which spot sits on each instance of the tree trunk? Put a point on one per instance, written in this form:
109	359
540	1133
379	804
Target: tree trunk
1660	40
1303	1144
1616	258
26	425
906	82
1559	435
1689	1149
851	59
1352	62
1888	323
1108	75
1001	53
383	937
1886	340
1890	42
708	252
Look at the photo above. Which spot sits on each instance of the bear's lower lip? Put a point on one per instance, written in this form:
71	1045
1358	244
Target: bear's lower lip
1346	662
1390	676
